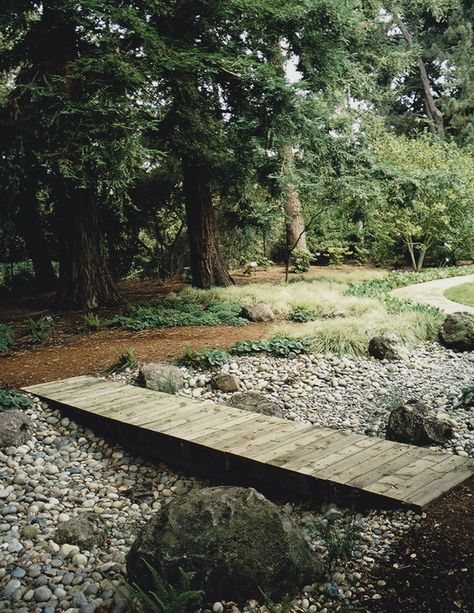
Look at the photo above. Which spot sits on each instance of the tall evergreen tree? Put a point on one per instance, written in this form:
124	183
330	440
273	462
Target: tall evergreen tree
71	106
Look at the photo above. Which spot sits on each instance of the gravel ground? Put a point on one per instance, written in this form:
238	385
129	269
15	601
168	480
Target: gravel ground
356	394
65	470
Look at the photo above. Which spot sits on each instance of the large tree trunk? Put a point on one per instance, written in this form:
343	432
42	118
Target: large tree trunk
30	226
295	220
207	263
85	281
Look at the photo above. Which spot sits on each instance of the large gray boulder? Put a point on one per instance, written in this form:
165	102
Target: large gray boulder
234	539
388	346
411	423
15	428
162	377
87	530
257	312
258	403
457	331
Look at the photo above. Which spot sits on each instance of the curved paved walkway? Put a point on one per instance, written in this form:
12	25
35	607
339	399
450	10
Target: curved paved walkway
432	293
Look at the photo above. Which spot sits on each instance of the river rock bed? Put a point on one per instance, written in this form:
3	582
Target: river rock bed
65	471
352	393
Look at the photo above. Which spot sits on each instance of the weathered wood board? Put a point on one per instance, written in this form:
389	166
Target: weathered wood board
226	443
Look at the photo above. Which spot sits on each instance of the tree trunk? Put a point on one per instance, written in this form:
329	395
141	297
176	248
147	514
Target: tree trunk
30	226
207	263
295	220
85	281
432	112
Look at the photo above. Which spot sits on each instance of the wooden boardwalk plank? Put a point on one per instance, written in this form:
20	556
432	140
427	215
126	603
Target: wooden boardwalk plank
221	440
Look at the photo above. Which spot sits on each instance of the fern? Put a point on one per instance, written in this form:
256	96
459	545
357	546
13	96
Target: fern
164	597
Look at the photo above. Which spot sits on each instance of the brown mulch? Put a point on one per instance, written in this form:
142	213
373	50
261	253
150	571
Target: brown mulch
431	569
92	353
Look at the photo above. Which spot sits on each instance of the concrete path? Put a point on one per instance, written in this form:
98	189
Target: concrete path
432	293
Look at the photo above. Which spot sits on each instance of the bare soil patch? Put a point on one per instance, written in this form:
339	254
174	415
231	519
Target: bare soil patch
431	570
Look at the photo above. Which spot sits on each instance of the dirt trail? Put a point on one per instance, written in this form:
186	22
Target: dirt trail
92	353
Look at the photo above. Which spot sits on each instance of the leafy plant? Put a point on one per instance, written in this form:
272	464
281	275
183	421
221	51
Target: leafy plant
300	260
41	329
164	597
13	399
280	346
174	312
126	359
92	321
7	338
301	315
337	254
284	606
340	537
205	358
467	396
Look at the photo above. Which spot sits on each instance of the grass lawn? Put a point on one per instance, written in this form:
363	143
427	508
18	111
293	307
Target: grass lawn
464	294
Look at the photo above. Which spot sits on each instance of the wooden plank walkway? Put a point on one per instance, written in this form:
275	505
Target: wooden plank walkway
225	443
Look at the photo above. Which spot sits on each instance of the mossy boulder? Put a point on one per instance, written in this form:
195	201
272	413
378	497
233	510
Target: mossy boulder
161	377
234	539
457	331
87	530
387	346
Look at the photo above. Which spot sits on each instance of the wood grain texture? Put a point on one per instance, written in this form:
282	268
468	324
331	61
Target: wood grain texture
226	442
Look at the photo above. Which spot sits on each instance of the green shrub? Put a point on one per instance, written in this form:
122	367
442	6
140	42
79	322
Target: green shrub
175	312
204	359
337	254
13	399
467	396
377	288
340	537
164	598
41	329
126	359
92	322
300	260
279	346
300	314
7	338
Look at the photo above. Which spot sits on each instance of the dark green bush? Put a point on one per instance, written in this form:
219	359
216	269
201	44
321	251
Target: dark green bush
205	358
299	314
41	329
300	260
173	313
7	338
280	346
13	399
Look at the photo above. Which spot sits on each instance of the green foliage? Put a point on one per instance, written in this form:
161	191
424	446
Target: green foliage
378	288
41	329
340	537
427	193
300	261
7	338
285	606
300	314
337	254
279	346
13	399
176	312
204	359
164	597
126	359
92	322
467	396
